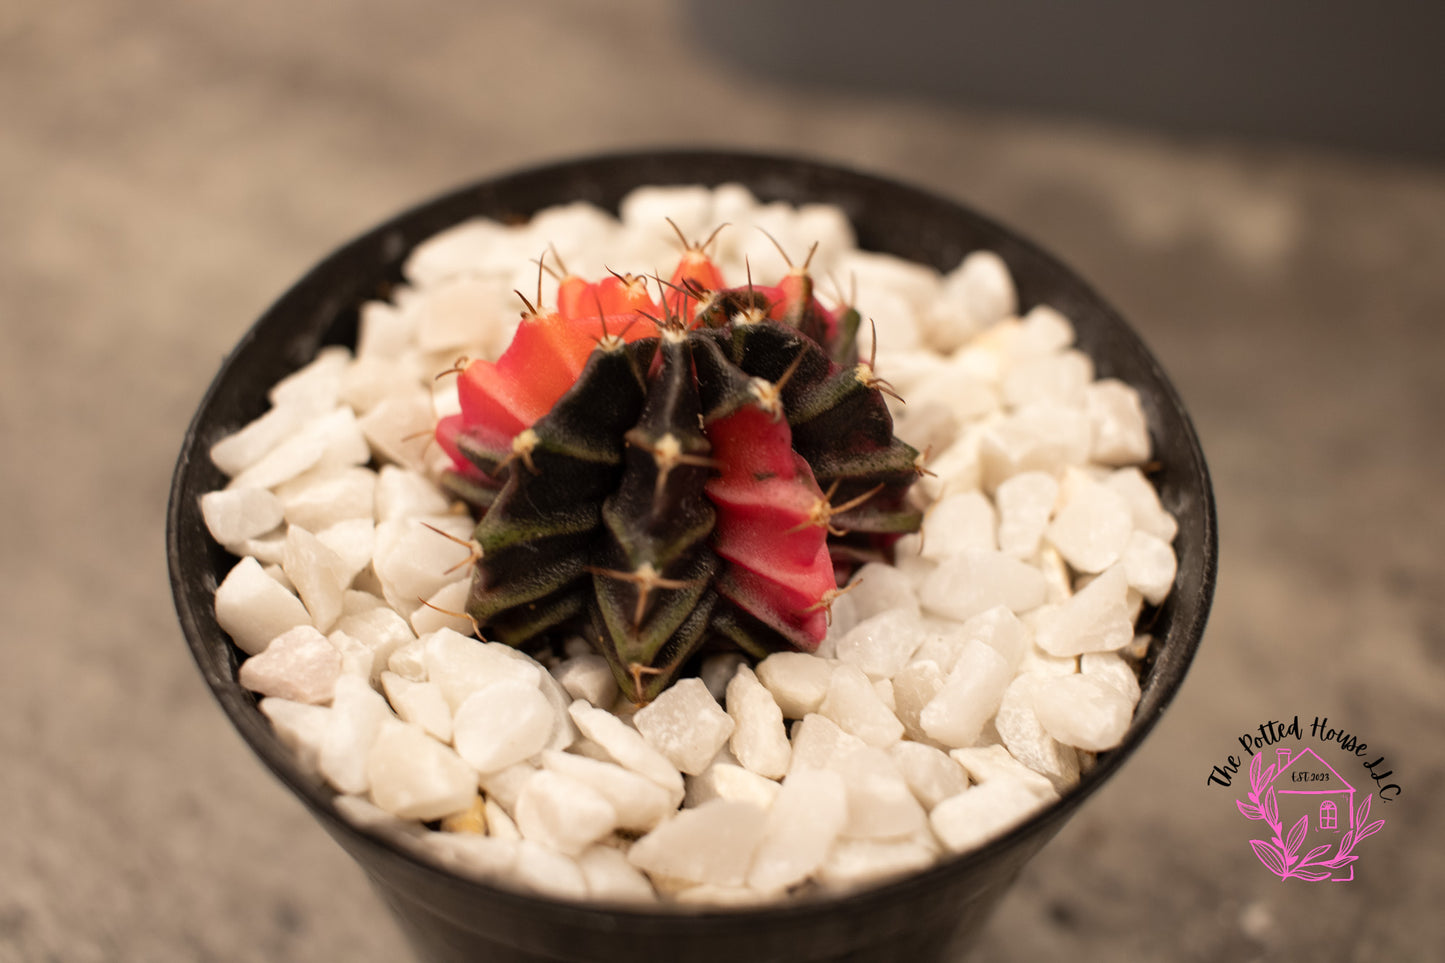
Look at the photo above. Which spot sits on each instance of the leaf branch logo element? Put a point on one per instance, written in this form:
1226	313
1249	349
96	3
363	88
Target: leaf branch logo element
1280	853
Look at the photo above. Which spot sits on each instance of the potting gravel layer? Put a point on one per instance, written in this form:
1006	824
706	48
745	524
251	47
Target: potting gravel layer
957	691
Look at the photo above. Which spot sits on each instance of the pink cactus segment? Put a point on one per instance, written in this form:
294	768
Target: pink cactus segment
613	296
790	296
765	496
544	359
694	272
758	519
801	616
520	386
452	428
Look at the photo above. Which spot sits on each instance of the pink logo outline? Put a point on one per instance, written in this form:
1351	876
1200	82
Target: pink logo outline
1280	854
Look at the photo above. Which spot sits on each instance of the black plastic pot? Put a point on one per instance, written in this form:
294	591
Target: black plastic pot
449	918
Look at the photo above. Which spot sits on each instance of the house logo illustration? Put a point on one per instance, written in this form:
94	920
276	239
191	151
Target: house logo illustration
1299	790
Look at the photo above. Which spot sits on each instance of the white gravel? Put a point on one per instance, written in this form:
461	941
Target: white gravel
958	690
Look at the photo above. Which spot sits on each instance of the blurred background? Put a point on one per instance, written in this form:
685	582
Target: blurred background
1259	188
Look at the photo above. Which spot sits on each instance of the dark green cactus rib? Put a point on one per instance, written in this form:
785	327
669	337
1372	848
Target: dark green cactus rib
653	566
538	537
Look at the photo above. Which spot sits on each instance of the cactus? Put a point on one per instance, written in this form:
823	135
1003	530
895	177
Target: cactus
670	473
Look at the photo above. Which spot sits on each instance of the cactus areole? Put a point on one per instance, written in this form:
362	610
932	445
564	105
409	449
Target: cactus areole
668	475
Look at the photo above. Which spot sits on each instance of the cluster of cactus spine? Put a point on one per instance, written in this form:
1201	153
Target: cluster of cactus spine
668	474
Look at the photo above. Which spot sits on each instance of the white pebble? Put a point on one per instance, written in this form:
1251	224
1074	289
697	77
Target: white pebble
446	609
686	725
402	493
301	727
267	550
713	843
969	697
488	858
500	824
239	451
972	818
415	777
804	821
1111	669
1092	527
987	288
253	608
647	208
817	742
1149	515
332	439
1149	565
882	644
319	574
369	380
588	677
1025	504
968	583
322	497
546	871
1058	583
612	878
913	689
384	633
797	680
1002	631
505	785
408	660
421	703
960	522
854	705
931	775
1082	711
357	713
1094	619
726	780
1121	433
471	246
384	331
1039	437
454	313
413	561
959	467
1043	330
985	764
1060	379
300	665
880	804
563	813
354	542
564	733
315	386
463	666
639	802
625	745
502	724
877	588
1027	741
759	742
399	428
1038	662
942	641
857	862
235	514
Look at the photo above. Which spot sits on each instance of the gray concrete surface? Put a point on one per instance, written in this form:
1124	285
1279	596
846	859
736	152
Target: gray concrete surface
166	169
